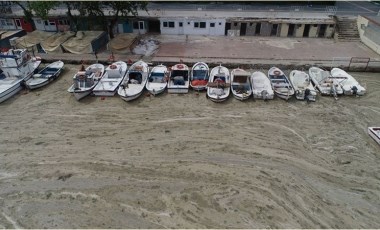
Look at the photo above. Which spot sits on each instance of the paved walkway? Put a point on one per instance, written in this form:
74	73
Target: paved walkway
242	51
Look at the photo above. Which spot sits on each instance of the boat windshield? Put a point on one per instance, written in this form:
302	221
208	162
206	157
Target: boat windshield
200	74
156	77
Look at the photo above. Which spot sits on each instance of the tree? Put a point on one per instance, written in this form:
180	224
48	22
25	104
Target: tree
42	8
28	13
123	8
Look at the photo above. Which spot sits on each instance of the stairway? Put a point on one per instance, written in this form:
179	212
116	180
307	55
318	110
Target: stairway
347	28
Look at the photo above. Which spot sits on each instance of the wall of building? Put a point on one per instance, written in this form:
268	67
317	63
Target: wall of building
313	31
181	26
299	30
45	25
362	24
330	31
7	24
284	30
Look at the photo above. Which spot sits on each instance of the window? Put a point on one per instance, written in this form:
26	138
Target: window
202	24
63	22
235	24
52	22
180	24
196	24
212	24
38	21
18	23
135	25
315	25
3	22
332	25
171	24
10	22
220	23
251	24
188	23
362	26
46	23
165	24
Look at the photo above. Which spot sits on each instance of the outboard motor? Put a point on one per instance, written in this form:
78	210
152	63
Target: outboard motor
307	93
354	90
264	95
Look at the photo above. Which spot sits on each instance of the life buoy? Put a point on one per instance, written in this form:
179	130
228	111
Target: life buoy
180	66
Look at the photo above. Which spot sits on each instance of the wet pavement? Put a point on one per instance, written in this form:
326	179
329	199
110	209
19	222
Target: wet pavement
243	51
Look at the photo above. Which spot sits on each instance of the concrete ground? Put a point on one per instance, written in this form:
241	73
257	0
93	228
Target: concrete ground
244	51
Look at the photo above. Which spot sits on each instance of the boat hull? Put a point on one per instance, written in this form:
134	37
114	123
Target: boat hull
82	94
178	90
104	93
260	96
242	97
11	91
132	97
374	132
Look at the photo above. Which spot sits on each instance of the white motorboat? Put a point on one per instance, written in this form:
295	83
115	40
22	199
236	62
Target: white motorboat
85	80
113	76
17	66
218	86
302	85
323	82
179	79
157	80
199	76
46	75
374	132
261	86
240	84
281	85
134	81
348	83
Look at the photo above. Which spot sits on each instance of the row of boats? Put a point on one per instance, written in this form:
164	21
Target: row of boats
219	82
20	70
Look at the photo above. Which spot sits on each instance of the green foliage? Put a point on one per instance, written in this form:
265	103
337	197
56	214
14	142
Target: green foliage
42	8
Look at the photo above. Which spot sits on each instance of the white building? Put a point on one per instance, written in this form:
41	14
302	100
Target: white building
192	26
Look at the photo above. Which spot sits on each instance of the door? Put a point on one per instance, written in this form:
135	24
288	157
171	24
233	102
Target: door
139	27
18	24
154	26
258	28
274	30
228	27
243	29
291	30
306	30
322	30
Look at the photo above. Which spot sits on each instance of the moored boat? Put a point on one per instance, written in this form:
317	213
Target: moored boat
179	79
240	84
46	75
17	67
218	87
348	83
280	83
113	76
157	80
134	82
323	82
199	76
261	86
303	87
85	80
374	132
